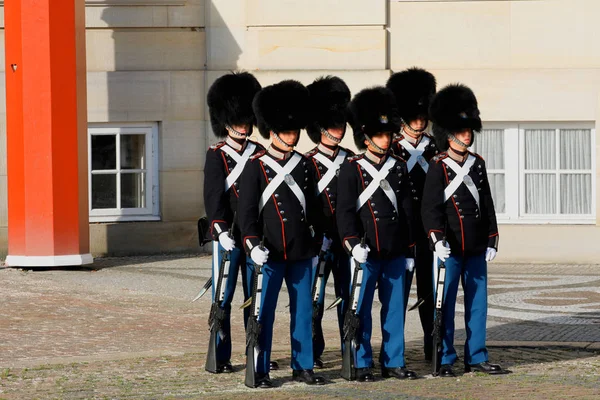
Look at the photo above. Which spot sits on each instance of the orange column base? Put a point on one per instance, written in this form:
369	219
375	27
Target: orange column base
46	117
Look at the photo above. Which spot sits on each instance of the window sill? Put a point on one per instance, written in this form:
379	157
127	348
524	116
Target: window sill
547	221
124	218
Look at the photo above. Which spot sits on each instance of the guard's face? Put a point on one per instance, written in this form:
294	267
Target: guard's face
242	128
418	124
465	136
289	137
381	139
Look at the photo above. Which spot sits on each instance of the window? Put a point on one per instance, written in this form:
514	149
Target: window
540	173
123	167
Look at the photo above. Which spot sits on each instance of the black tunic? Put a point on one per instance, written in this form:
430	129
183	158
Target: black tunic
389	233
469	228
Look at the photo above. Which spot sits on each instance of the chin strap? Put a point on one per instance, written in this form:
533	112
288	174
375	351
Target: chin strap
329	136
236	134
458	142
411	130
286	146
377	148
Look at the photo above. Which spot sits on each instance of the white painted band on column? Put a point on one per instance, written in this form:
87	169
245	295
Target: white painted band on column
49	261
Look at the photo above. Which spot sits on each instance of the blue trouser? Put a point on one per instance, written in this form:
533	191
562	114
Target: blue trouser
389	275
297	276
337	263
237	262
472	271
425	286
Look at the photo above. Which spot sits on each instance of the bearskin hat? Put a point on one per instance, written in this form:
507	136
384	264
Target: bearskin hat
413	88
372	111
230	101
329	98
453	109
283	106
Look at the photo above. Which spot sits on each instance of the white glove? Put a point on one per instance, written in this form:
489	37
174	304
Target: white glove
410	264
360	253
442	251
259	256
326	244
490	254
226	241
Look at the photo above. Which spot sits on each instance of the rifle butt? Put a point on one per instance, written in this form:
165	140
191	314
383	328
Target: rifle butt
250	380
348	362
211	356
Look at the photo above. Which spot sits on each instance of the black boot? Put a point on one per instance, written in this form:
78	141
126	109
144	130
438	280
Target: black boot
318	363
307	376
486	368
398	373
364	375
264	382
446	371
273	366
226	368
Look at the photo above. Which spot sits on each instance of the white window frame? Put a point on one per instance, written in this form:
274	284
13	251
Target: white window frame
571	219
151	211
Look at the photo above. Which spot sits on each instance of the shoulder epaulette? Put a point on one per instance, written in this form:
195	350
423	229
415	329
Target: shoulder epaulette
397	157
311	153
439	157
258	155
217	145
355	157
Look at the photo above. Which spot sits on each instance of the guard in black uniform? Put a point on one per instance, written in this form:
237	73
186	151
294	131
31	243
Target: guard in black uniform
374	196
413	89
279	207
232	118
329	98
459	217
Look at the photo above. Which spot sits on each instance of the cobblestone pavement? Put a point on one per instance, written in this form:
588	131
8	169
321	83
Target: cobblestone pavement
125	328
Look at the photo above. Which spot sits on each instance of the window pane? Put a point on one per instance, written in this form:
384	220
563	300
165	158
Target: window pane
575	194
133	151
133	190
489	144
104	191
104	152
498	192
575	149
540	194
540	152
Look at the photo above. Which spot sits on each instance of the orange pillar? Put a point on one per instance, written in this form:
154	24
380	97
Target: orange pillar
48	222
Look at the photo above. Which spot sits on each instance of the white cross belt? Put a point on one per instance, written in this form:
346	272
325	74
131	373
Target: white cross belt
283	175
416	153
462	176
377	181
240	162
332	168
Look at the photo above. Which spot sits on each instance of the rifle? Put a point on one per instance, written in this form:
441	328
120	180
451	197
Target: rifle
254	328
352	322
438	325
204	238
317	293
217	314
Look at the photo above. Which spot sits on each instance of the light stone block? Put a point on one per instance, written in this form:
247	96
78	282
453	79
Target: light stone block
315	12
187	95
226	34
191	15
181	195
316	48
448	35
126	17
183	145
530	94
3	201
128	96
145	50
555	34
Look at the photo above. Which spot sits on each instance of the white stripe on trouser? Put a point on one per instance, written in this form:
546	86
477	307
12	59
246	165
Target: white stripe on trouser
415	153
332	168
215	267
240	162
282	172
461	173
376	178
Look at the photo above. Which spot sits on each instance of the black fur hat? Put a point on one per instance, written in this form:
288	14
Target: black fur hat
413	88
329	98
230	101
283	106
452	109
372	111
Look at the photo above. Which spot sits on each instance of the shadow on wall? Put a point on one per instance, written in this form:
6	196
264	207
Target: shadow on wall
158	79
